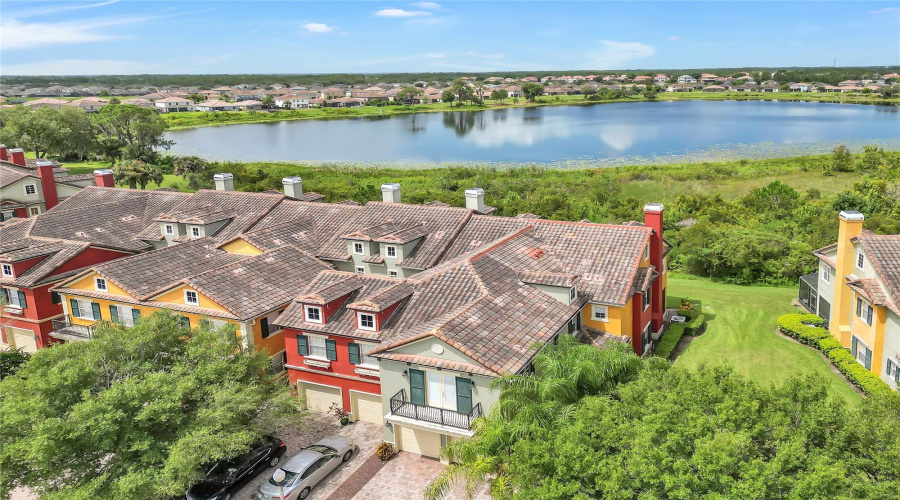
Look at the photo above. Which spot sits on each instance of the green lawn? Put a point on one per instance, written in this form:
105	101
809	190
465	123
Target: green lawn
741	332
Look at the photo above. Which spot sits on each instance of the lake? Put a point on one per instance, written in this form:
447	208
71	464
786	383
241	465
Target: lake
563	136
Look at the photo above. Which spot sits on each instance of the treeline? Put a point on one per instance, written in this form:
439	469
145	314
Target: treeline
821	74
764	236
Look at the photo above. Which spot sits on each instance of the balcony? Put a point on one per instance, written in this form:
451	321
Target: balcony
808	293
63	328
401	407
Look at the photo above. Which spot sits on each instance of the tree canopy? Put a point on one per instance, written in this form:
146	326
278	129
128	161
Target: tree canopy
590	425
134	412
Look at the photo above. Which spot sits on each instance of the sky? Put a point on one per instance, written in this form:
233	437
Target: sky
226	36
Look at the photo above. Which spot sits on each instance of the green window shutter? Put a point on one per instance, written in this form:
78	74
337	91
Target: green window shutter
417	386
264	327
4	294
22	303
95	308
75	311
463	395
113	313
853	347
858	307
302	345
869	314
135	315
186	322
330	350
353	350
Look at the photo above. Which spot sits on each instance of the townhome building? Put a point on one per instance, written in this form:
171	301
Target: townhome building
686	79
857	291
292	101
174	104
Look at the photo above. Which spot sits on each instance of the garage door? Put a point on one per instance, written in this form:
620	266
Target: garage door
425	443
24	339
320	397
366	407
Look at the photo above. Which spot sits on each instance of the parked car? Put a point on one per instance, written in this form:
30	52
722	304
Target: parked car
306	469
224	475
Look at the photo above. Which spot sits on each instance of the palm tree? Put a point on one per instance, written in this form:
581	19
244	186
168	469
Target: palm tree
136	173
564	373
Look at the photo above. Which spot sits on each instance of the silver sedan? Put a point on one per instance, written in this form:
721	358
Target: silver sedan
307	469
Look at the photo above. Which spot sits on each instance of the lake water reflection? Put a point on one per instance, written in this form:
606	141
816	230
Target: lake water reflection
556	134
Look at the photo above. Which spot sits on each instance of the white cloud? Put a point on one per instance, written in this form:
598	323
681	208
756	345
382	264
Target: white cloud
81	67
401	13
674	38
319	28
20	35
426	5
886	10
612	55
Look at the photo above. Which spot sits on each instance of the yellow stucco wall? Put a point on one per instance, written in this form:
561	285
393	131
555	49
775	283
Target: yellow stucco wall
872	335
271	344
619	319
842	306
240	246
176	296
87	283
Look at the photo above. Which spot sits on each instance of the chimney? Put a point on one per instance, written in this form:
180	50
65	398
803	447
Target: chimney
390	193
48	183
17	156
475	199
224	182
850	225
653	218
3	153
104	178
293	187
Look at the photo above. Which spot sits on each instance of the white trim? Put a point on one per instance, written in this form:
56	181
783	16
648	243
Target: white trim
195	232
10	273
97	287
826	273
387	251
306	309
187	301
359	323
360	270
366	393
166	229
361	249
856	258
594	317
393	274
32	186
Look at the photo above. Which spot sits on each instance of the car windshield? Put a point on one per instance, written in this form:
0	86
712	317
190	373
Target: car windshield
221	468
321	448
288	478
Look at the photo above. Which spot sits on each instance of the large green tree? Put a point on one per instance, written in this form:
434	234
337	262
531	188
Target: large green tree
130	132
134	412
63	132
531	91
136	173
589	425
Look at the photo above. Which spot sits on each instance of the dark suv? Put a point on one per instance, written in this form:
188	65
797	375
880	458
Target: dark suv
224	475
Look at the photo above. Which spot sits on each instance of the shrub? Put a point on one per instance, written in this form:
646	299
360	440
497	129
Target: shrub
807	328
670	340
385	450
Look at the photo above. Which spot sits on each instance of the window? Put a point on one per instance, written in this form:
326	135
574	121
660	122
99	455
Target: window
85	309
191	298
8	270
34	211
573	294
366	321
100	285
15	298
826	273
392	274
391	251
359	355
170	230
358	248
195	232
645	299
30	189
893	369
320	347
860	260
600	313
647	252
313	314
360	270
861	352
864	311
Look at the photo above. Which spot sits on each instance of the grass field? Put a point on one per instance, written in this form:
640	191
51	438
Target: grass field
741	332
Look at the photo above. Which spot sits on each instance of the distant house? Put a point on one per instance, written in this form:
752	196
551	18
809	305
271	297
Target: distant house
174	104
801	87
143	103
679	87
210	106
850	83
643	78
344	102
714	88
769	88
291	101
708	78
245	95
660	79
249	105
47	102
88	104
747	87
514	91
333	93
686	79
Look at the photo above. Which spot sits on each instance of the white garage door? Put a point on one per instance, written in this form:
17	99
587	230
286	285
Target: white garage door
425	443
320	397
366	407
24	339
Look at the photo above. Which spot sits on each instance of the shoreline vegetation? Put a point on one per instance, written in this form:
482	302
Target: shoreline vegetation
197	119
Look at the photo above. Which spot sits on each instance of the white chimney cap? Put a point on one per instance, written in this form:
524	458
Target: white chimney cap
475	192
16	150
288	181
222	177
43	163
391	186
852	215
653	207
103	171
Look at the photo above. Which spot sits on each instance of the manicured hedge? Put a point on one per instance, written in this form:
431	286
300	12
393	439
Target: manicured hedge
807	328
669	340
694	324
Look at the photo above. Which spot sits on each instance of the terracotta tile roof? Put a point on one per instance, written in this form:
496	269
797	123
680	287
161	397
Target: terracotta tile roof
883	251
9	175
300	233
443	364
76	177
378	299
16	247
375	258
241	210
330	286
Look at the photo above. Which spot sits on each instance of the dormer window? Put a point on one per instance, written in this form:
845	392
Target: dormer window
100	285
860	260
647	252
390	251
191	298
30	189
8	271
366	321
313	314
358	248
195	232
170	230
573	294
393	274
